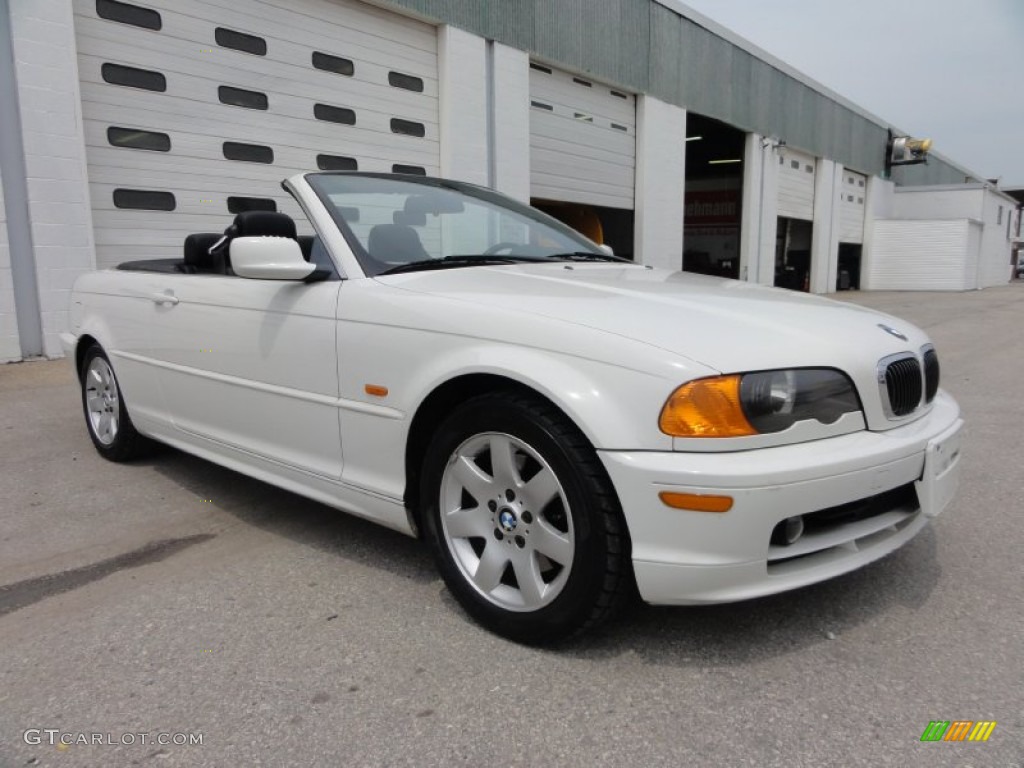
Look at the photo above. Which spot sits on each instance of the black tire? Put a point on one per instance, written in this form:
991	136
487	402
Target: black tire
599	579
126	443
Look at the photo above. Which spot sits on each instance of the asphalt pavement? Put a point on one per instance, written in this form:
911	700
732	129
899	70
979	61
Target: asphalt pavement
174	597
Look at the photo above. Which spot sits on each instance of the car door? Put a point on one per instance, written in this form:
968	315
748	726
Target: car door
252	364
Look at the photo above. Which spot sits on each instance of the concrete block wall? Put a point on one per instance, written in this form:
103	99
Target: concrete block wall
760	209
996	246
825	235
485	120
511	122
965	202
46	72
10	347
660	187
462	90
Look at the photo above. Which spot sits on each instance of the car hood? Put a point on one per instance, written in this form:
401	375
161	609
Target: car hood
727	325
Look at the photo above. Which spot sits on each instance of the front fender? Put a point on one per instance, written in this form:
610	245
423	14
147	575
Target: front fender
614	405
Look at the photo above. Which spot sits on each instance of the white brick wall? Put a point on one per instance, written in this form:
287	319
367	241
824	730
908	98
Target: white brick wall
660	183
10	348
825	235
512	122
995	247
463	96
46	69
466	146
759	210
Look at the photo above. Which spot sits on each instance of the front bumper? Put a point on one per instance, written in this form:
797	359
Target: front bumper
682	557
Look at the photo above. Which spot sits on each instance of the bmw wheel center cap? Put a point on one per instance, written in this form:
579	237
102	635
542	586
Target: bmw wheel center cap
508	520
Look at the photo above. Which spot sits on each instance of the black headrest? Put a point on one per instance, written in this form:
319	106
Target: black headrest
395	242
197	252
264	224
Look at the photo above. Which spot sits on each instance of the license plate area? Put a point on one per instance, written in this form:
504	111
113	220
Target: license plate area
941	475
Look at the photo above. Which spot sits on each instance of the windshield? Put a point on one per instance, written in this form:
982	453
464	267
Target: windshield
396	225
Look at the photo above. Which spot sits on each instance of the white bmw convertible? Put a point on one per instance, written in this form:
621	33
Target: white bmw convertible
558	424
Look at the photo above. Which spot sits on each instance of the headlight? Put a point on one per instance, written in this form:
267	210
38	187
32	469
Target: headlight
757	403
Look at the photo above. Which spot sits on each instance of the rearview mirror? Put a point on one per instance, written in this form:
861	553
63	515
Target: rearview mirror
269	258
434	202
405	218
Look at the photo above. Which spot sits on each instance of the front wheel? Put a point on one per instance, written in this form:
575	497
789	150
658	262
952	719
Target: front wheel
523	521
106	415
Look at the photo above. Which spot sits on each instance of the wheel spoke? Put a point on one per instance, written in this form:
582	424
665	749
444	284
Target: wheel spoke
112	427
96	377
473	479
492	565
503	462
103	428
551	542
540	490
531	585
93	400
466	523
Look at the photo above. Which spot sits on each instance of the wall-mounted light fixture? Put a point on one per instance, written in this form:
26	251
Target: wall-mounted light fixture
906	150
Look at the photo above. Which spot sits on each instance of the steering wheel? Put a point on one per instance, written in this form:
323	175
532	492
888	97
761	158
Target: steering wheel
493	250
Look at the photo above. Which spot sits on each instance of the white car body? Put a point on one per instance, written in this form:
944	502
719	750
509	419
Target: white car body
269	378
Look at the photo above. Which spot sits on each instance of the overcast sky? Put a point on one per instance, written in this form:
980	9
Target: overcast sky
950	70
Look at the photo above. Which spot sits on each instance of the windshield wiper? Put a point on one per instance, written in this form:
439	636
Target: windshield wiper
587	256
458	261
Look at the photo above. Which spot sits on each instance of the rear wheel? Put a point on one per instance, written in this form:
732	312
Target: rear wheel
523	521
106	416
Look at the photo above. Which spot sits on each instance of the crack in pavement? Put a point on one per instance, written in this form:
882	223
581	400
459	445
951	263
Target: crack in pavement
22	594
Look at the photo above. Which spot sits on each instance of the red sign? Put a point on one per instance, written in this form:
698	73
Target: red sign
712	206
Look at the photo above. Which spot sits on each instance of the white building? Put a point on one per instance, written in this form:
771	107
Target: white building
128	125
952	238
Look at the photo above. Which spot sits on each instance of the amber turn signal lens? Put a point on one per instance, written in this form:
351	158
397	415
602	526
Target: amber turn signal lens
696	502
706	408
376	390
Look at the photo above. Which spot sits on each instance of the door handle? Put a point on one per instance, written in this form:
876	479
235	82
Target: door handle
164	298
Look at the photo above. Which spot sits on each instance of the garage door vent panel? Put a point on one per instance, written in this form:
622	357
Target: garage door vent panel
176	94
796	185
582	140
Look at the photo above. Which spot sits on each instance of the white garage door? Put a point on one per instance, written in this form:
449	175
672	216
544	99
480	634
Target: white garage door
852	194
195	110
796	185
582	140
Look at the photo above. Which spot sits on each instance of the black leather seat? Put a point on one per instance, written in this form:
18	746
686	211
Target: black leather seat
198	258
259	224
263	224
395	243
